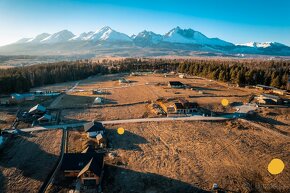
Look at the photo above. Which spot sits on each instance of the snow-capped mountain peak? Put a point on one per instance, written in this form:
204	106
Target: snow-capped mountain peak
108	34
61	36
38	38
261	44
190	36
148	37
83	36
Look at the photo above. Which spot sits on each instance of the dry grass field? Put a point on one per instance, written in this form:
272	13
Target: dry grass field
26	161
128	100
191	156
157	157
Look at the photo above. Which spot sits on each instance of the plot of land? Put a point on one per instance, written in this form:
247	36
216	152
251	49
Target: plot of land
128	100
190	156
26	161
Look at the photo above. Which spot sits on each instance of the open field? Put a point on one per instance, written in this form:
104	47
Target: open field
174	156
128	100
27	160
6	67
190	156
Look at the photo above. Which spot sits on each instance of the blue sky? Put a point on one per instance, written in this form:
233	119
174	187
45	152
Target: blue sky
237	21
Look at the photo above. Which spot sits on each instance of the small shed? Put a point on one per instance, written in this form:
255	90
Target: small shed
98	100
175	84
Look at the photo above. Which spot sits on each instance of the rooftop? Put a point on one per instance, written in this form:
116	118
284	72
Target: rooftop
93	126
83	161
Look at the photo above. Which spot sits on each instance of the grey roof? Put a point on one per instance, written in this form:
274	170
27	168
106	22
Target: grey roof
38	108
93	126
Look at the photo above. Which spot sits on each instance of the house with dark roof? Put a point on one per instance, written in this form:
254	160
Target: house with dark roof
94	128
189	107
87	167
175	84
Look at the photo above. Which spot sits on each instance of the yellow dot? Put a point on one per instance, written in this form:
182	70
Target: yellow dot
276	166
121	130
225	102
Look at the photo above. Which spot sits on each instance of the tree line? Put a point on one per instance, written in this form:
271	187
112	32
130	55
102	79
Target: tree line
242	72
249	72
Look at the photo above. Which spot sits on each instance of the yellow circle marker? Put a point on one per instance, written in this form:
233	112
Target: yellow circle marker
121	130
276	166
225	102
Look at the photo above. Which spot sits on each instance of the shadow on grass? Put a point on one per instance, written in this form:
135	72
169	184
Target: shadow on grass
26	156
126	141
121	180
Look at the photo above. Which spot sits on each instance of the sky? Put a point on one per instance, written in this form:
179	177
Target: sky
236	21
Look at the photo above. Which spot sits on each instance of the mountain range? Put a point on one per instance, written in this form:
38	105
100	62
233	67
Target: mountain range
107	41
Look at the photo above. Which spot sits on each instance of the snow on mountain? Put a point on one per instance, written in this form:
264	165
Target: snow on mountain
58	37
189	36
261	44
148	37
177	39
23	40
110	35
83	36
38	38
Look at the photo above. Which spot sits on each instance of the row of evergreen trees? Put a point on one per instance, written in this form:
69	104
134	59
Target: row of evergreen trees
242	72
271	73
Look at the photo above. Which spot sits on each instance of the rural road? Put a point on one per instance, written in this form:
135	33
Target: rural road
58	99
192	118
65	126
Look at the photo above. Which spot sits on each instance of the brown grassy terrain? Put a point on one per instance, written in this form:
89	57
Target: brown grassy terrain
123	101
6	119
26	161
182	156
6	67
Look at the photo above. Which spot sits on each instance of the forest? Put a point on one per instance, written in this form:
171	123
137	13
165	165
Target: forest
241	72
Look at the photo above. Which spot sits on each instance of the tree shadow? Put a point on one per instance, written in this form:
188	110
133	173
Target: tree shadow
268	120
26	156
126	141
121	180
109	102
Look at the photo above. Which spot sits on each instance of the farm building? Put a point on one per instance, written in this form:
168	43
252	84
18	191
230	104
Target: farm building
264	87
22	97
87	167
93	129
175	84
188	107
123	80
268	99
37	109
181	107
